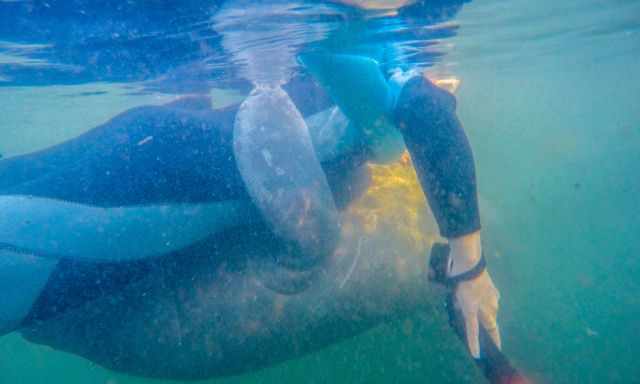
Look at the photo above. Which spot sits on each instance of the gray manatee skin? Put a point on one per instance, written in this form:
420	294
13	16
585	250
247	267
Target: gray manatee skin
208	318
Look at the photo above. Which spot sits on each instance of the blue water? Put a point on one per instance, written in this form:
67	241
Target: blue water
548	98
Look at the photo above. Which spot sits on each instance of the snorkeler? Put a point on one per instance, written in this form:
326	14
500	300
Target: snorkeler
384	100
385	110
154	180
157	179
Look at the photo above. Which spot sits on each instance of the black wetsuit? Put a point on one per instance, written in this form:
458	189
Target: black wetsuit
177	153
441	154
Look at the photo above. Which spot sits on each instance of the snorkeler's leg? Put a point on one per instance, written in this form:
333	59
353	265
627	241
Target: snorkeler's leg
443	160
22	277
150	181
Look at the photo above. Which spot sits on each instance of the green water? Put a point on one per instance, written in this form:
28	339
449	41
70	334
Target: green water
552	115
556	130
557	154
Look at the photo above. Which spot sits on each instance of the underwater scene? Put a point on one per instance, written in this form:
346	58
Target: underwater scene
339	191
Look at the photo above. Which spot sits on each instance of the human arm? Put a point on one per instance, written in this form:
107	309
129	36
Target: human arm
442	157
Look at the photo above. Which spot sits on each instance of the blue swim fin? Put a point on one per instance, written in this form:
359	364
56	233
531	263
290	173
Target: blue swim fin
356	84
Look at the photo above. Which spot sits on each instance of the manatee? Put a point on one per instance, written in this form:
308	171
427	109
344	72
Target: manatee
195	315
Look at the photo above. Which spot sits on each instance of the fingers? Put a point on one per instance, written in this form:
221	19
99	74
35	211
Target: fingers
488	315
478	300
472	331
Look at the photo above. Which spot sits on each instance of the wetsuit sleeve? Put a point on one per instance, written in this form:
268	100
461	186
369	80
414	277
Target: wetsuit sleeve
441	154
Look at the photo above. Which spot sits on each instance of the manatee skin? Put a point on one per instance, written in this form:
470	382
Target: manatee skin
208	318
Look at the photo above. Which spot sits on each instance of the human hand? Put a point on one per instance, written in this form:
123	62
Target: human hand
477	299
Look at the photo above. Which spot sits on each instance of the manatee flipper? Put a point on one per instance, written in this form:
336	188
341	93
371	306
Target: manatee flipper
283	176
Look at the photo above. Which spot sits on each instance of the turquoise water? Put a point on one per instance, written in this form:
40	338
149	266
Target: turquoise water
548	97
557	138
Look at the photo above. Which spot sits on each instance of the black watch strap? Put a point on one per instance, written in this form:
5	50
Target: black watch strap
468	275
439	262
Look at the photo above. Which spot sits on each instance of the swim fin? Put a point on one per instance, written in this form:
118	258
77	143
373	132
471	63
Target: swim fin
357	86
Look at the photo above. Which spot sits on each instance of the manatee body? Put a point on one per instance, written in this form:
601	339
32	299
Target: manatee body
195	314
